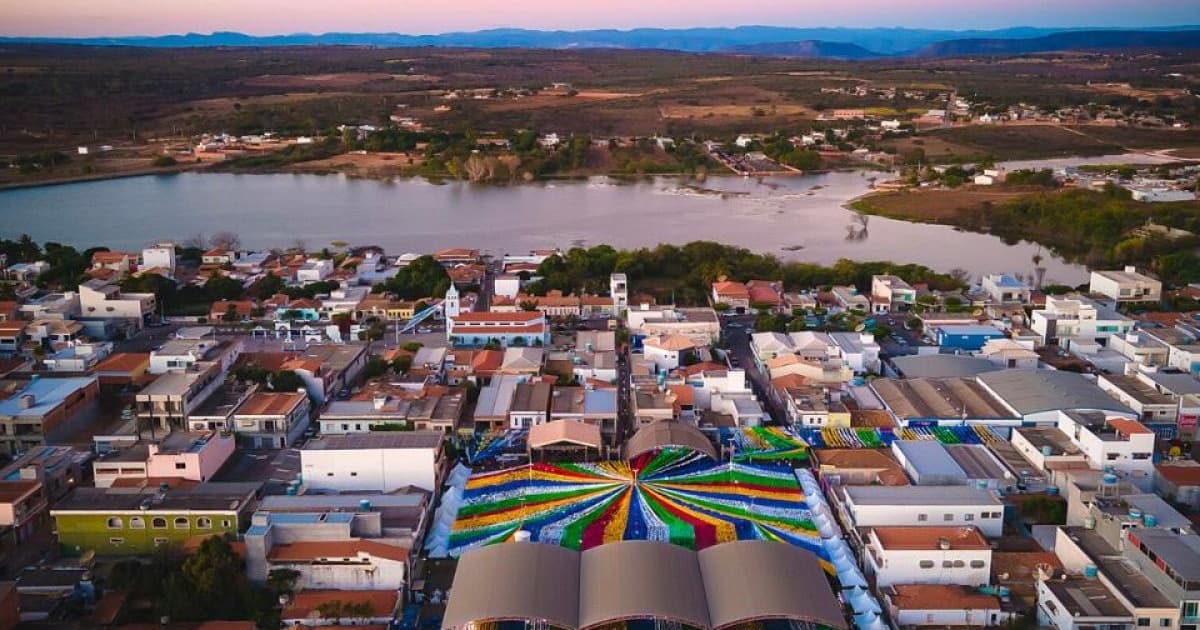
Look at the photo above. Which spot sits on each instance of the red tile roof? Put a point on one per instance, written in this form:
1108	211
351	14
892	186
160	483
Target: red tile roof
1128	427
731	289
270	404
522	317
304	605
1181	474
940	597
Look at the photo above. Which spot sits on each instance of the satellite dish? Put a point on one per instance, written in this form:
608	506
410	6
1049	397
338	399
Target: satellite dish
860	328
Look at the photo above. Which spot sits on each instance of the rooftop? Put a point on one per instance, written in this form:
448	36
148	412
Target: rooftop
270	403
940	597
938	398
307	551
1138	390
383	440
205	497
942	365
891	474
1086	598
1181	553
920	495
1048	437
1122	573
930	538
1034	391
47	393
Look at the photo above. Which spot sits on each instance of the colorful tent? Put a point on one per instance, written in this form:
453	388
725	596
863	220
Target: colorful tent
674	495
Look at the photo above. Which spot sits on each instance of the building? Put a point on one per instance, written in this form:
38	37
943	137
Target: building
1009	354
965	338
927	555
849	299
618	290
136	521
1179	481
180	455
1080	603
669	351
1005	289
23	504
272	419
495	401
928	463
943	506
170	400
375	462
1038	396
721	587
1083	550
159	256
1151	405
1066	321
58	468
530	405
326	609
943	606
474	329
1126	286
700	324
46	409
858	467
101	300
733	294
889	293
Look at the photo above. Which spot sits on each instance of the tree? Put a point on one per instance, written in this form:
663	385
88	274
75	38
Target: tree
402	364
225	240
529	305
219	287
422	278
286	381
375	367
230	315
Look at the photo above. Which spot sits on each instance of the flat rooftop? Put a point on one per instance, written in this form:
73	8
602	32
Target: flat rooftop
1043	437
48	393
1034	391
930	538
1127	578
1138	390
1015	461
382	440
1083	597
211	496
976	461
1181	553
920	495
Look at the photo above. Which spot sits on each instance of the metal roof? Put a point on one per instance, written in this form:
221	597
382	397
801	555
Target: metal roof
942	365
717	588
1033	391
668	433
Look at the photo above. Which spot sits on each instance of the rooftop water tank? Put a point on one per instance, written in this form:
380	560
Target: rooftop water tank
522	536
1150	520
364	505
1090	571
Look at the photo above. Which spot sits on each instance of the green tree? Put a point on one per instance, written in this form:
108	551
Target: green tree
286	381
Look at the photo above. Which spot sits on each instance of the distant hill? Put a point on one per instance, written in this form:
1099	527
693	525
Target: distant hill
1075	40
884	41
807	49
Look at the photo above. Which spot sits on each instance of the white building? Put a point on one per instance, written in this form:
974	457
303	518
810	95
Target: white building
928	555
159	256
1002	288
1126	286
106	301
943	506
890	292
314	270
942	606
508	285
179	354
668	351
618	288
1069	320
1080	603
374	462
1009	354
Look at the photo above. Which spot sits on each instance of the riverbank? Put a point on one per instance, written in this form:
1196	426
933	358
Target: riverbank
78	178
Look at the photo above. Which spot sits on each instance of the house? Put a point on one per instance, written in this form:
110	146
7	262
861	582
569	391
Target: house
218	256
668	352
1006	289
921	506
301	310
46	409
965	338
943	606
347	542
808	406
324	609
12	337
495	401
858	467
384	307
98	299
373	462
849	299
1069	320
596	407
1126	285
933	554
181	355
119	522
272	419
1009	354
119	262
191	456
890	293
58	468
231	310
731	293
700	324
23	504
314	270
456	256
171	398
159	256
1080	603
1179	481
530	405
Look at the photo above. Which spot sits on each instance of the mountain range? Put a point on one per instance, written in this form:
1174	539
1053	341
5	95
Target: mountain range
844	43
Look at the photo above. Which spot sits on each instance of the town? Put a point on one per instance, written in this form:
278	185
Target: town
349	436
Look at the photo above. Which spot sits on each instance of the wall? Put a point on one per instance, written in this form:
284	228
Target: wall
381	470
79	532
903	567
200	466
949	618
884	515
380	574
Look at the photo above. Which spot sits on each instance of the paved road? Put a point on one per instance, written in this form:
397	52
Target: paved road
736	332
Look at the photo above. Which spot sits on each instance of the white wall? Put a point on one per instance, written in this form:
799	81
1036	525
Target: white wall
904	567
663	360
949	618
886	515
387	575
378	469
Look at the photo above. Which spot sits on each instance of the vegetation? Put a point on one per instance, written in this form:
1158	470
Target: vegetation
685	273
422	278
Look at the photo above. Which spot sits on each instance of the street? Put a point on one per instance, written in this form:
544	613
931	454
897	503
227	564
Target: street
736	331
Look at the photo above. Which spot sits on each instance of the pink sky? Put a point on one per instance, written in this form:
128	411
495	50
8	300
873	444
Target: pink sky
155	17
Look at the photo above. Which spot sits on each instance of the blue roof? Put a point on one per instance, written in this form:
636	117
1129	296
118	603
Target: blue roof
1005	280
47	393
972	330
600	401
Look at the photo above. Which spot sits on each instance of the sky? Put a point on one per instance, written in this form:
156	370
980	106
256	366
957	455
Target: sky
84	18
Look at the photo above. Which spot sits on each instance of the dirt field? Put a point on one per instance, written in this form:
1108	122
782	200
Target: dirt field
1124	89
932	206
363	164
339	80
733	111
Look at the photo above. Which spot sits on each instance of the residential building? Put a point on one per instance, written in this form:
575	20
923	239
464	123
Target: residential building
927	555
1077	320
272	419
942	506
191	456
58	468
618	290
98	299
530	405
943	606
668	352
1183	346
180	354
324	609
859	467
1179	481
1009	354
80	357
596	407
23	504
1080	603
373	462
159	256
889	293
12	337
495	401
117	522
849	299
1151	405
1126	285
699	324
46	409
1005	289
314	270
170	400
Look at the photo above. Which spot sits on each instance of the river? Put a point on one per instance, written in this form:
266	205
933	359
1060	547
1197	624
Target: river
796	218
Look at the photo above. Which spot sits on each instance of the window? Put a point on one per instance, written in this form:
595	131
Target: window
115	523
180	465
958	564
1191	609
158	522
978	564
204	523
946	564
137	522
1165	622
927	564
922	517
116	541
947	517
181	523
225	523
1143	622
968	517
